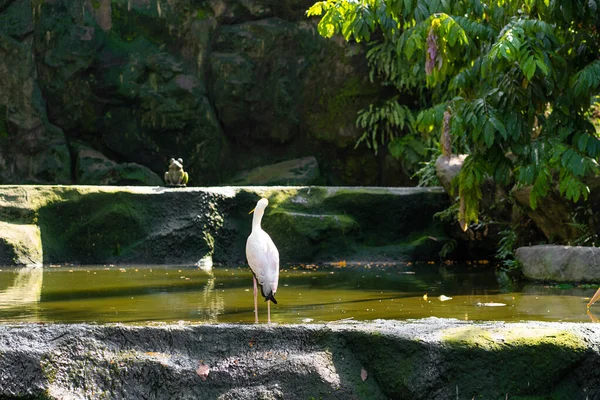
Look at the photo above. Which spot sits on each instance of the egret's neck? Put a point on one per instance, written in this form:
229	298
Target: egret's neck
256	219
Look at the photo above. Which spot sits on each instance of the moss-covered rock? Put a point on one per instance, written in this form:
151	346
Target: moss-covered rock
554	219
555	352
104	224
154	226
94	168
257	79
326	223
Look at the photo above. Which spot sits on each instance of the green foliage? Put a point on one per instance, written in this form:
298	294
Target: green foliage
516	80
426	173
382	123
584	222
507	244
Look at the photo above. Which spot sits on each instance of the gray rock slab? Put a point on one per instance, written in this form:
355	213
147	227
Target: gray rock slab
560	263
424	359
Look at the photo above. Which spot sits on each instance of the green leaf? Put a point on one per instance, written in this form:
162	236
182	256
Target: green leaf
488	134
499	126
409	49
316	9
593	146
542	66
396	148
582	142
528	68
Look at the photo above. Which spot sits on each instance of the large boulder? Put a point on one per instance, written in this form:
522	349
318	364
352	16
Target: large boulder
281	90
418	360
560	263
94	168
447	168
553	216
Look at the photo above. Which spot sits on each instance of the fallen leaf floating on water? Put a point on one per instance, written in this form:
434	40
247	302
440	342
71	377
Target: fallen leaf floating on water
203	371
491	304
363	374
444	298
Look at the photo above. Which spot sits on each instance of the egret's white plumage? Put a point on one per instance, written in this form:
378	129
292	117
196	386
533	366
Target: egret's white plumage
263	259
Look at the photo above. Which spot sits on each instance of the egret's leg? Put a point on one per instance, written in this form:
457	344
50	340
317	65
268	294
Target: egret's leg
255	301
269	311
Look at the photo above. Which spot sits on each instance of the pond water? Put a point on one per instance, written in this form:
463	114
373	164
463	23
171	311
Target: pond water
307	293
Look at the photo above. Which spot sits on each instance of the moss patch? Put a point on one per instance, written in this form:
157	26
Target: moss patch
511	352
102	226
325	223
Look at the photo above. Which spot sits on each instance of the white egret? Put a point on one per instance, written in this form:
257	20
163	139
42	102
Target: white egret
263	259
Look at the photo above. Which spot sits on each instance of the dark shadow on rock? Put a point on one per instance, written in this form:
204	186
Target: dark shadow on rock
124	227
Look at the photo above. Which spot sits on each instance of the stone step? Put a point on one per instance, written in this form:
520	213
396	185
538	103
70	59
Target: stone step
414	360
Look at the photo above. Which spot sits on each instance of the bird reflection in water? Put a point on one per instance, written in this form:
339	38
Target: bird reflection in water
25	291
594	298
592	316
212	304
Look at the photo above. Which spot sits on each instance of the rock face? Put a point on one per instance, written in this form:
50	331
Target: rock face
300	172
156	225
554	215
446	168
225	85
32	148
429	359
93	168
560	263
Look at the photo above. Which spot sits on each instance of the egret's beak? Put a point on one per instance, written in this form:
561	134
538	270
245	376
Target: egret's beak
252	211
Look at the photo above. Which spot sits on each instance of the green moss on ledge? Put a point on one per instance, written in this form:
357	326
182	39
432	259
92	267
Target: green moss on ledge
555	352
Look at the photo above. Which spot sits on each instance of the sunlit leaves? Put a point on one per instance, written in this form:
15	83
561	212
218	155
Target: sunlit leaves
471	178
517	78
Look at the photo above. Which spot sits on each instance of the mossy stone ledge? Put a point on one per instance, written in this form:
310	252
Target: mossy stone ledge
414	360
159	225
